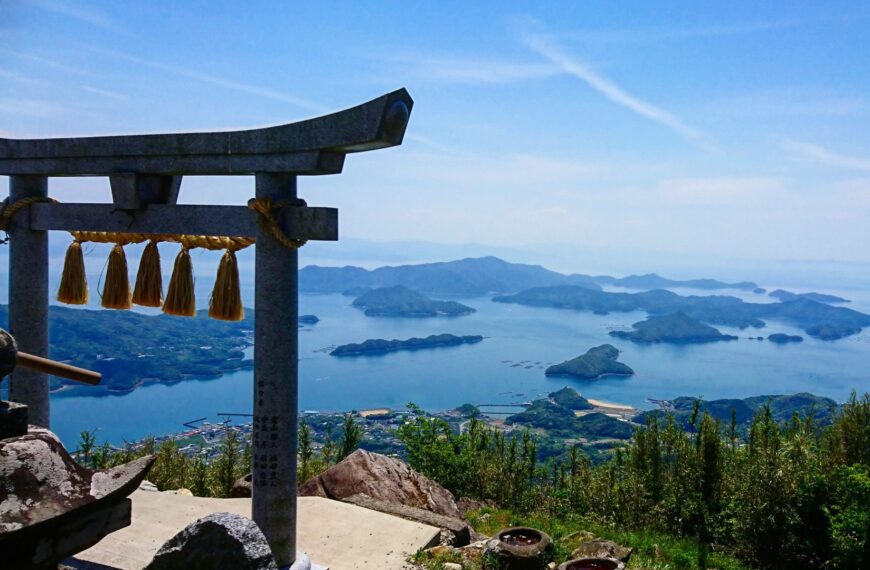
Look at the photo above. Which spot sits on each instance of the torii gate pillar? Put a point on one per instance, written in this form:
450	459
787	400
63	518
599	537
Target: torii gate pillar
145	172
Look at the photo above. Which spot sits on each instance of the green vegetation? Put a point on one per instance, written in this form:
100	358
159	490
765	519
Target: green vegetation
131	349
596	362
676	328
381	346
562	422
786	496
399	301
741	411
468	410
818	319
570	398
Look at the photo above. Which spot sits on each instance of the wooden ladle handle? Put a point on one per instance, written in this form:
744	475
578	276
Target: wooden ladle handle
55	368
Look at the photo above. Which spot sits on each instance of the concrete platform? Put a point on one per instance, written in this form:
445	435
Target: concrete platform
337	535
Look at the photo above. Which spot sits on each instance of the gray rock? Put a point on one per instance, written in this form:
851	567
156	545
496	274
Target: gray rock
220	540
382	478
602	549
242	487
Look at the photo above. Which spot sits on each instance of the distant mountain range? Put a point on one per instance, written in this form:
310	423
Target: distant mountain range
472	277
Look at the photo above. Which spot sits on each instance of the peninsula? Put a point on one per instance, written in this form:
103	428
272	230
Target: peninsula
399	301
381	346
817	319
598	361
131	349
655	281
675	328
784	295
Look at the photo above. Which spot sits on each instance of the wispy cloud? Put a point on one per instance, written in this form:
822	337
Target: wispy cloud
44	61
221	82
459	70
649	35
721	191
104	92
29	107
545	47
815	153
88	15
10	75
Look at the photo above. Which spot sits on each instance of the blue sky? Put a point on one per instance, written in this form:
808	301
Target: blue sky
737	129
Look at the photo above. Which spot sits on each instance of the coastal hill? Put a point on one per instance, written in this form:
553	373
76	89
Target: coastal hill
131	349
654	281
818	319
560	421
399	301
382	346
784	295
782	408
473	277
675	328
570	398
598	361
470	277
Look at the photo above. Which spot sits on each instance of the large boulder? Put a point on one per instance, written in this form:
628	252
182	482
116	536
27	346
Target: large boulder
220	540
383	478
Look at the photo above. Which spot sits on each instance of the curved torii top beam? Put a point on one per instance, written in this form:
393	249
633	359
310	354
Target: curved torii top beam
312	146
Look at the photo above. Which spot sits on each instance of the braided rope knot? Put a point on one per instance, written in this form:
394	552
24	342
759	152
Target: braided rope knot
265	209
10	210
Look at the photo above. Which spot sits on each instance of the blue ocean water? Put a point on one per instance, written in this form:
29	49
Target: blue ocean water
443	378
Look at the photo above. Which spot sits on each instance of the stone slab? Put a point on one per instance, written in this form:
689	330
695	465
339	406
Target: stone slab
333	534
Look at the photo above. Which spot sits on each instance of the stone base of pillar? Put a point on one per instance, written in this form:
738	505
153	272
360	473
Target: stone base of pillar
304	563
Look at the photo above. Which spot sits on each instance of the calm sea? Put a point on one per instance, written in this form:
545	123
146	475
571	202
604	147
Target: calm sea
447	377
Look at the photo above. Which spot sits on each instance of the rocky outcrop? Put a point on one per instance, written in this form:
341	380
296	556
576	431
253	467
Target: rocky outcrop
242	487
383	478
454	532
220	540
602	549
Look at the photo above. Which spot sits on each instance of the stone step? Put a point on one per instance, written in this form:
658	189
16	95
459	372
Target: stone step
333	534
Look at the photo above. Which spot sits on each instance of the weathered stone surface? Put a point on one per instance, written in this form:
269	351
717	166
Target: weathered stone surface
602	549
242	487
220	540
383	478
148	486
13	419
46	482
51	507
458	533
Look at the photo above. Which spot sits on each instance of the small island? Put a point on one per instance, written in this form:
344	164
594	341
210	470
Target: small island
759	290
675	328
308	320
832	331
786	296
559	420
782	338
598	361
382	346
399	301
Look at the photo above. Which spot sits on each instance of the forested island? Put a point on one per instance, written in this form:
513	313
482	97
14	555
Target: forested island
676	328
399	301
655	281
784	295
817	319
561	421
381	346
598	361
782	338
131	349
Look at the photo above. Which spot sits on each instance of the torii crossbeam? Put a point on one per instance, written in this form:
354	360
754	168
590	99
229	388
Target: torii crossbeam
145	172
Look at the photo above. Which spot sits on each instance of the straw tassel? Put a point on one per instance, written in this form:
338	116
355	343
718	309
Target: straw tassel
226	297
180	298
116	292
149	280
73	288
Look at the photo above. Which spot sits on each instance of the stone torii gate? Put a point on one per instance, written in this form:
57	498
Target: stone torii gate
145	172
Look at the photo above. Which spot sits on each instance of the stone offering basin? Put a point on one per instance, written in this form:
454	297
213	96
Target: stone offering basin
520	548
